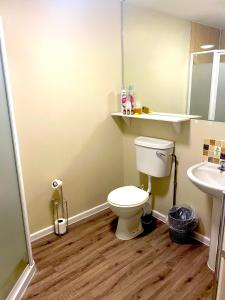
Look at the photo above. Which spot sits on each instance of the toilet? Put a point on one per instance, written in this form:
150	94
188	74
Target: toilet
153	158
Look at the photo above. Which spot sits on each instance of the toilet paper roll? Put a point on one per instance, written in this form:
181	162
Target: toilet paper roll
56	184
60	226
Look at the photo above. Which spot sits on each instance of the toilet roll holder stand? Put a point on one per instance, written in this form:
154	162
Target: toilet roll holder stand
60	208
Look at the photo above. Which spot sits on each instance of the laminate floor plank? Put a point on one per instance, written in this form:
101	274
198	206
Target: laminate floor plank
131	273
90	263
55	244
180	281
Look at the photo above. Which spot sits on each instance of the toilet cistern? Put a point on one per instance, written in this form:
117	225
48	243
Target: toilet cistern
154	156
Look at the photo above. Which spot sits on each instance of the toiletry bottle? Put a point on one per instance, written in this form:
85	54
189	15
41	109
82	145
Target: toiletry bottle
128	108
131	98
123	101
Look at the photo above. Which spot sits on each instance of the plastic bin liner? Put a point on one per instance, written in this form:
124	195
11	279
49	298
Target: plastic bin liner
182	221
182	218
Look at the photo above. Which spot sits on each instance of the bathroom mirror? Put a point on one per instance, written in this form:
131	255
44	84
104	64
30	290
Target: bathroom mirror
173	55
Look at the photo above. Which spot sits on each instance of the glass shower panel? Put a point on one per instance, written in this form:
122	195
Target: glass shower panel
13	249
220	100
201	84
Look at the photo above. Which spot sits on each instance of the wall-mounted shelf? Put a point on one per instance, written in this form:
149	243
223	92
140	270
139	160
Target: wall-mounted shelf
175	119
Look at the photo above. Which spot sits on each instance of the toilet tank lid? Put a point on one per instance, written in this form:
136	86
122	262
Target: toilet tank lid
153	143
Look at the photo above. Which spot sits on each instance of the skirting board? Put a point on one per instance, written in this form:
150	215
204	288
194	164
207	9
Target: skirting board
22	283
48	230
197	236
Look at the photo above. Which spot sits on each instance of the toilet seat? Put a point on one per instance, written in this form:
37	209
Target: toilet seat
127	196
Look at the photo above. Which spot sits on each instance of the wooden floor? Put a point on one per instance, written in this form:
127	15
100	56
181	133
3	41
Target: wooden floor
90	263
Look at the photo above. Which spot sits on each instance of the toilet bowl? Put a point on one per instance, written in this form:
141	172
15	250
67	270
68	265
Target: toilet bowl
127	203
153	158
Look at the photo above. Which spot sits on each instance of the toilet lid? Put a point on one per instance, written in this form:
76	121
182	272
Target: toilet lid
127	196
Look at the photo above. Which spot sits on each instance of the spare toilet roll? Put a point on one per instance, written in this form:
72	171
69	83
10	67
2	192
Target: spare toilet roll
60	226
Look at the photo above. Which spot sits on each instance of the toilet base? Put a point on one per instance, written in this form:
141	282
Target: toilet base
129	228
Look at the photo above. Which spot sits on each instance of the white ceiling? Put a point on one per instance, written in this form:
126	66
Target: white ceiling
208	12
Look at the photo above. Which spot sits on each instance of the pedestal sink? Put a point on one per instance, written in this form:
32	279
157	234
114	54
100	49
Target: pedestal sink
210	180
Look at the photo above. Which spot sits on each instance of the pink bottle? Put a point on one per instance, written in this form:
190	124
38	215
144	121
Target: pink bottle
131	98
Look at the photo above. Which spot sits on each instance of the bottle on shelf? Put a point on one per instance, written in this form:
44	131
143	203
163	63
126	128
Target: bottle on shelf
128	108
123	98
131	98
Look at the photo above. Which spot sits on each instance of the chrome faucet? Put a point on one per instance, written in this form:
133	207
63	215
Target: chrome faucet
222	166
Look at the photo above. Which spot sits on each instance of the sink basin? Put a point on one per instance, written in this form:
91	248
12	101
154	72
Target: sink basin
208	178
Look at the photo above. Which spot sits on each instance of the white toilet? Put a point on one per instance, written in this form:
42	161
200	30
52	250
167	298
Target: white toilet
154	158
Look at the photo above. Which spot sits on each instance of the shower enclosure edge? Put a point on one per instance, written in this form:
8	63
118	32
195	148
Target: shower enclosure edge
214	81
26	276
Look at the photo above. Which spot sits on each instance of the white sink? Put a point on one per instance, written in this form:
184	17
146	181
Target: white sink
210	180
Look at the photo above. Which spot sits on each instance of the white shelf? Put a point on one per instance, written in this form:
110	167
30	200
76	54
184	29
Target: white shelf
175	118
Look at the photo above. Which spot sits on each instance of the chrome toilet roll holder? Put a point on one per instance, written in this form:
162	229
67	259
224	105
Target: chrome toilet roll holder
60	209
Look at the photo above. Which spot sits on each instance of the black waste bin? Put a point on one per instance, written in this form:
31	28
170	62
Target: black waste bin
148	223
182	221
